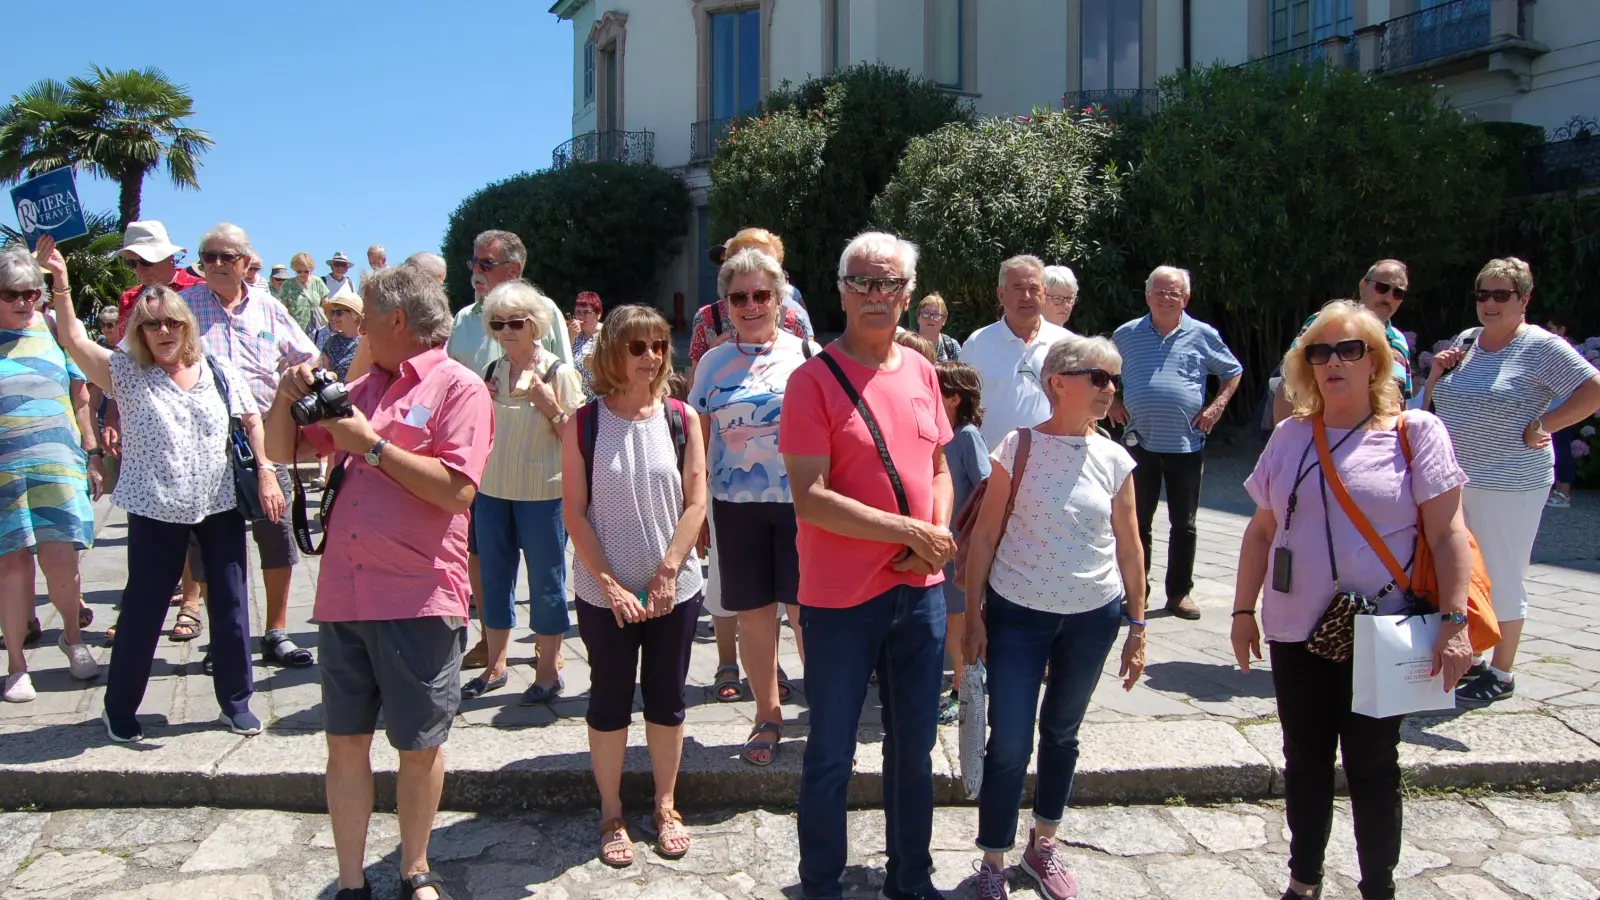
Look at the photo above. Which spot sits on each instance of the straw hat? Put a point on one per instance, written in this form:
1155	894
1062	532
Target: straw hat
346	298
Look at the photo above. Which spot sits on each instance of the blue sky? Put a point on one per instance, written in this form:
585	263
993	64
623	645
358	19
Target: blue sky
337	124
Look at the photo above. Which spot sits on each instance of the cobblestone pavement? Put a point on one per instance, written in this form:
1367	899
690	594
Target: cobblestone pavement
1496	848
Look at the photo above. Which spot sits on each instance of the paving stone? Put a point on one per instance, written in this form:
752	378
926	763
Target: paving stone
1529	816
1473	750
244	840
162	856
1222	832
1538	880
109	829
383	837
1469	887
1120	831
210	887
1585	810
1341	853
1583	853
1451	822
1203	879
1101	877
55	874
676	889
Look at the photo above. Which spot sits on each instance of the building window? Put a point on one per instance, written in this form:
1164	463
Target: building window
735	63
948	43
1296	23
838	34
1112	35
588	72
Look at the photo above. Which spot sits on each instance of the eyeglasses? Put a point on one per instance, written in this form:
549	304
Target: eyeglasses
341	311
137	263
930	314
1061	299
513	324
31	295
158	324
1384	287
863	284
1167	295
1100	378
1498	295
740	299
227	259
637	348
1348	351
481	264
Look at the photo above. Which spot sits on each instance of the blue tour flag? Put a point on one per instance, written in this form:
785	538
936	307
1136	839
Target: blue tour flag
48	204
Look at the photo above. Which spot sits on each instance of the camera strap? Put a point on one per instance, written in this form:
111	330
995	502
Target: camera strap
302	525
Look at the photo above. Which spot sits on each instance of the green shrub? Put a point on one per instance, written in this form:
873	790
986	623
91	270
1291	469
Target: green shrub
607	227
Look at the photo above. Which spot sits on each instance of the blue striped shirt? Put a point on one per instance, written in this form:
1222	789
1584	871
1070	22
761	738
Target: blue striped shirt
1164	380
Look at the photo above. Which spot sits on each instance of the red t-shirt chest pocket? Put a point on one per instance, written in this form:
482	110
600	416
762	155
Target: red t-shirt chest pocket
927	423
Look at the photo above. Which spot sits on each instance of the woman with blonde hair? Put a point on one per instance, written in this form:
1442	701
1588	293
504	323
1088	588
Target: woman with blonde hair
1303	549
1494	390
303	294
633	500
932	314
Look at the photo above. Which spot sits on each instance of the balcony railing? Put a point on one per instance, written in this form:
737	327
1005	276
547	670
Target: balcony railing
607	146
1118	102
704	137
1444	30
1306	56
1569	162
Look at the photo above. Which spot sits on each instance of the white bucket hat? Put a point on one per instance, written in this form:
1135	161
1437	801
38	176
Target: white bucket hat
339	257
149	241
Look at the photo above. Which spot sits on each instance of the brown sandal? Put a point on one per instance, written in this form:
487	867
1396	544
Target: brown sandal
186	626
669	827
614	842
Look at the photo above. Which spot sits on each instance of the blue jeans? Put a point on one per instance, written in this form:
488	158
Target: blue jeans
900	635
533	528
1021	642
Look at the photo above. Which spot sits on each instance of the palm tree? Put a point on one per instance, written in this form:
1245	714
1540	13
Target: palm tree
118	125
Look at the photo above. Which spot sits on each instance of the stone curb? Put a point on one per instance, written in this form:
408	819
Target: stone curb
499	769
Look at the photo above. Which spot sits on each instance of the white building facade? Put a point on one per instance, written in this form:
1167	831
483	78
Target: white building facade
657	80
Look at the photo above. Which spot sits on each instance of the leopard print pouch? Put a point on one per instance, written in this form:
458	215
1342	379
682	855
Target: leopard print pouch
1334	638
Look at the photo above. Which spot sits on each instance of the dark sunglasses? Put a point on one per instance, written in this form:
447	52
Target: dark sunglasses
478	264
158	324
1384	287
740	299
137	263
513	324
227	259
1349	351
863	284
1100	378
32	295
637	348
1498	295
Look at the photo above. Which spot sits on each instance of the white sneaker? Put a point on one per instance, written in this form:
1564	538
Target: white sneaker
80	660
19	688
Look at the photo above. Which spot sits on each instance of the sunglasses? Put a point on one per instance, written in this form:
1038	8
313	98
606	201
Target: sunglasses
637	348
863	284
478	264
1498	295
740	299
32	296
1348	351
227	259
1100	378
513	324
137	263
158	324
1384	287
253	269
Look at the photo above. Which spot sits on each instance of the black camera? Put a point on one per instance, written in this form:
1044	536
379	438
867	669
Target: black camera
327	399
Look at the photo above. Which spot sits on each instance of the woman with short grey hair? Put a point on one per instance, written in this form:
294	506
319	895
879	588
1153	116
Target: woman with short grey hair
1049	583
1060	294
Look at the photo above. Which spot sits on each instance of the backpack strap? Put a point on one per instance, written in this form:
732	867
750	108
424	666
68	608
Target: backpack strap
489	371
678	425
1330	474
550	373
1019	465
805	348
716	316
588	429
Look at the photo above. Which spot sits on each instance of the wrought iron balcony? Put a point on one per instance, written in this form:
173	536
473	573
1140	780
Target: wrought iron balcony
704	137
1571	160
637	147
1117	102
1445	30
1281	62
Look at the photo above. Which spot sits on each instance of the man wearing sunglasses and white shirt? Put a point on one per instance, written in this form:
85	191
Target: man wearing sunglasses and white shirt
1382	290
1009	354
497	257
1166	358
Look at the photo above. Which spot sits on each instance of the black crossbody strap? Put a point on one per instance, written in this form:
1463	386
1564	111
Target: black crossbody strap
872	426
299	522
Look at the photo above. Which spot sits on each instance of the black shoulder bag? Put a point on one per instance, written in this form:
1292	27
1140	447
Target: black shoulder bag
242	462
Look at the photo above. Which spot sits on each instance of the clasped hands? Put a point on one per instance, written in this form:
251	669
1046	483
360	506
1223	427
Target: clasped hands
928	548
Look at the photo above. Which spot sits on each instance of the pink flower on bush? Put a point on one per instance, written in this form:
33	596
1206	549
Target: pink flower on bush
1580	449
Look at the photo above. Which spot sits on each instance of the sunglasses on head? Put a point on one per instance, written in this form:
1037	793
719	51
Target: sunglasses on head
863	284
513	324
158	324
227	259
637	348
31	295
1384	287
1498	295
1100	378
1349	351
741	299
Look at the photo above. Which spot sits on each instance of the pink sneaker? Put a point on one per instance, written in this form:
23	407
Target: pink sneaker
991	883
1042	861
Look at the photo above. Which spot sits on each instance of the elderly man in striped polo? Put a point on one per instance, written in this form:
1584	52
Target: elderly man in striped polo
1166	357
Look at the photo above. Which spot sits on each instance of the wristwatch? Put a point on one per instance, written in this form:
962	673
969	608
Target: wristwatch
1455	618
376	453
95	452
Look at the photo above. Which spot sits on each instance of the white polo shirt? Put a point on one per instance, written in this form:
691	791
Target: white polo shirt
1013	394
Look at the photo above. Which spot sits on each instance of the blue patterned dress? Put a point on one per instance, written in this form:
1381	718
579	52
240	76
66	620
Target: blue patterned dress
44	479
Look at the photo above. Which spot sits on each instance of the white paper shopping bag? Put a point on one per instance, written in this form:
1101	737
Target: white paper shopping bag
1393	659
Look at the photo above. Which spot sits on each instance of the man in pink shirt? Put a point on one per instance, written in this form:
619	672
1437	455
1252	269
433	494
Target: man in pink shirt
872	495
391	599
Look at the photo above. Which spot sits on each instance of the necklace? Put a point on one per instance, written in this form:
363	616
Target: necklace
761	348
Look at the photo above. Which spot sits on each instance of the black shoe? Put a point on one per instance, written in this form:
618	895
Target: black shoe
1316	894
478	686
537	696
361	893
208	666
410	886
1484	690
1474	672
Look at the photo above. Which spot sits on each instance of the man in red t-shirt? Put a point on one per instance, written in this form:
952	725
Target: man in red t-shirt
872	553
153	257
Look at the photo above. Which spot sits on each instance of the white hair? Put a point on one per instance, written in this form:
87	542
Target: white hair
750	260
1182	274
518	298
884	246
413	290
1075	352
1023	261
19	271
1060	277
432	263
229	232
378	249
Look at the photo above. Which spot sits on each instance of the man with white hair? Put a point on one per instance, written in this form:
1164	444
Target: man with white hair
1060	294
1008	354
432	263
252	329
1166	357
377	259
391	600
862	436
